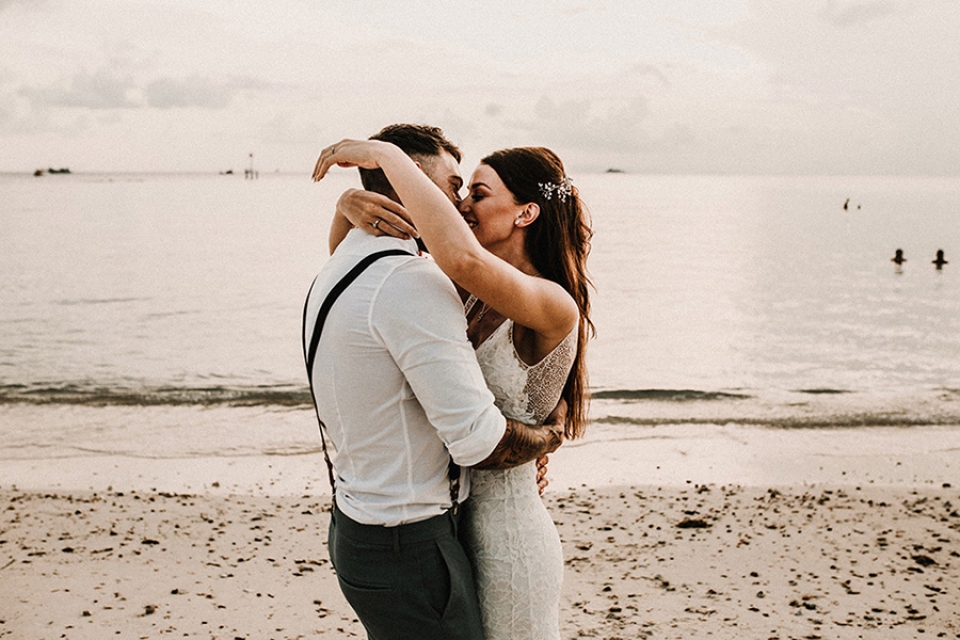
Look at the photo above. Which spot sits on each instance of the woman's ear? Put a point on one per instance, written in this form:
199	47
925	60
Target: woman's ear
528	214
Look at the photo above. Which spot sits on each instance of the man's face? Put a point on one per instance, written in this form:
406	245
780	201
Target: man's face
445	173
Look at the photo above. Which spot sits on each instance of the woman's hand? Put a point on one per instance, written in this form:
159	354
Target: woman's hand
542	481
366	154
376	214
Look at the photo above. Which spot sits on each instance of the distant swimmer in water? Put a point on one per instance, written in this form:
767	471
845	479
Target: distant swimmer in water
846	204
940	260
898	258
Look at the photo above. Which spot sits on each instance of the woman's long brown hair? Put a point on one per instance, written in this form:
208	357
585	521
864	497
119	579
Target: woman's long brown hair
557	243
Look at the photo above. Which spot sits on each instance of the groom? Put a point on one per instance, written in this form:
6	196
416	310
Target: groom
405	404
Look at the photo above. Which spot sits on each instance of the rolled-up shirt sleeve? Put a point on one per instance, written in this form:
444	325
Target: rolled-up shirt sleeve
419	317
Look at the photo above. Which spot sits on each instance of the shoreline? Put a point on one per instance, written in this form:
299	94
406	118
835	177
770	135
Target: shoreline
674	455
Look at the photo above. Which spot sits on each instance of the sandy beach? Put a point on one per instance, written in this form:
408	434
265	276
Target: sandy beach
867	552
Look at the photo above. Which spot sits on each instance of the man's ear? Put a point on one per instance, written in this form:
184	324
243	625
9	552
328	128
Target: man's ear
422	161
529	213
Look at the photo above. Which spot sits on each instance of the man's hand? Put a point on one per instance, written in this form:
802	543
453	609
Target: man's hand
559	414
522	443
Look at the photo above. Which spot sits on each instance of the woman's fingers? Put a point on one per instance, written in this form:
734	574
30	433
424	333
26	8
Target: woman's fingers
323	163
349	153
383	228
542	480
403	219
402	228
387	222
394	217
376	214
338	153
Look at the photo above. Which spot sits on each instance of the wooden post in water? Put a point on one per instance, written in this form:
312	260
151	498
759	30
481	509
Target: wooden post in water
250	174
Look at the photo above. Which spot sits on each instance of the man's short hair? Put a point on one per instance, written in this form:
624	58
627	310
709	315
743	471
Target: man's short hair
419	141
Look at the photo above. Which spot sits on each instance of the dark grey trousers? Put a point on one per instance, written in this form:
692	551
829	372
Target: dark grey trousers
410	581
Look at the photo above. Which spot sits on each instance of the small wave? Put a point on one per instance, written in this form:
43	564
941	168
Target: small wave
68	453
100	395
103	396
667	395
824	391
793	422
82	301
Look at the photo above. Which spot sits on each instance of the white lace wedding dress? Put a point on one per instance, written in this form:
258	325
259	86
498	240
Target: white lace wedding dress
510	537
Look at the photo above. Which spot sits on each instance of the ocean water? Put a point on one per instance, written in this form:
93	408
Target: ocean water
158	315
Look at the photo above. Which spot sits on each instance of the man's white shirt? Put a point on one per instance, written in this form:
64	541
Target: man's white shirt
397	384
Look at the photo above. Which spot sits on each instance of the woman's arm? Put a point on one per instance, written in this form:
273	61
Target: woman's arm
532	302
339	228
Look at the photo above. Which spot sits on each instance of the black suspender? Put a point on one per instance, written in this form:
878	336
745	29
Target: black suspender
310	355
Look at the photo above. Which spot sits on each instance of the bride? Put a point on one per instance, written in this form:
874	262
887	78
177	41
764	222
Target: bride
521	257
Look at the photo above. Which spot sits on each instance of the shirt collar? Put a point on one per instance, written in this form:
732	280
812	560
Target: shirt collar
359	241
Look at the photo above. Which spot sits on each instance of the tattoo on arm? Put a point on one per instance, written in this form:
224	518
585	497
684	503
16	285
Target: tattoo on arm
522	443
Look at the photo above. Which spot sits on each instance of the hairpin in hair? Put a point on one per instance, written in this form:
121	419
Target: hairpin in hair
562	190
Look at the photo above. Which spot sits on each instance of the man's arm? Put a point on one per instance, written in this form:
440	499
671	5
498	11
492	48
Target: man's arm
522	443
427	340
419	317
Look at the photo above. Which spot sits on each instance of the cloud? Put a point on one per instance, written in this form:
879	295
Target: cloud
25	7
853	14
578	10
103	89
111	88
192	91
645	69
592	125
676	85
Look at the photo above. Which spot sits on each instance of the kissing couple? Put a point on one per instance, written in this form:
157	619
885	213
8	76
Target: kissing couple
440	382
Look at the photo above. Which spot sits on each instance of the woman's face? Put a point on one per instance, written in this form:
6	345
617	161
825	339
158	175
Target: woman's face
489	207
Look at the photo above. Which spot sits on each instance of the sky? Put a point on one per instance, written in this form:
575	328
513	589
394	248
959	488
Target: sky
809	87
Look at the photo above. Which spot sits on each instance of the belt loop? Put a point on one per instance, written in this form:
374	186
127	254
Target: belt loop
396	539
454	522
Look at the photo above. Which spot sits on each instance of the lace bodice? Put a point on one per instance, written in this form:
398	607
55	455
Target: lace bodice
527	393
